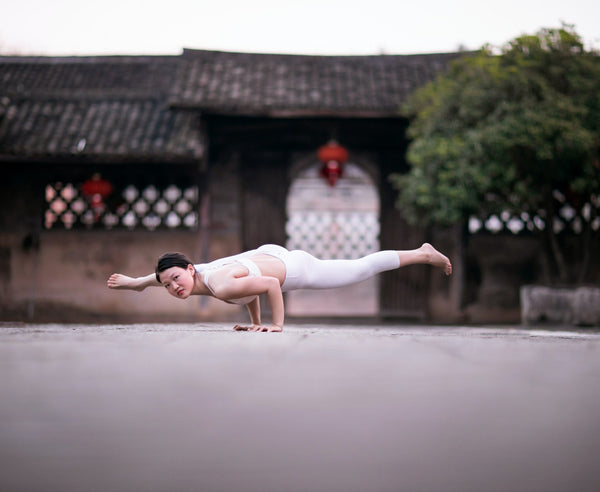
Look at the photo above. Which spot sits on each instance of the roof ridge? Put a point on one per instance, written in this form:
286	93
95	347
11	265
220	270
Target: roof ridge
194	51
91	59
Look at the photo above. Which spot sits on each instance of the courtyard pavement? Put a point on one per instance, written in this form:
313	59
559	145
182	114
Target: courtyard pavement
198	407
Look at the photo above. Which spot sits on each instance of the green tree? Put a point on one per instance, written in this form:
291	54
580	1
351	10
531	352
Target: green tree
514	131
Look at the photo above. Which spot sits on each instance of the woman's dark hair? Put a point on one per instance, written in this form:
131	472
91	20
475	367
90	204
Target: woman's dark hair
169	260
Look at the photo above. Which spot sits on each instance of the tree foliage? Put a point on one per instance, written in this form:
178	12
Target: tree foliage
505	131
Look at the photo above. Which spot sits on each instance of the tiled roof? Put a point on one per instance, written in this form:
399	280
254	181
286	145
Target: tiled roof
112	128
146	107
81	77
251	83
94	106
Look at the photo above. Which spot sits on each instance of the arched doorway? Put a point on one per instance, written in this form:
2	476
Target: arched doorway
334	222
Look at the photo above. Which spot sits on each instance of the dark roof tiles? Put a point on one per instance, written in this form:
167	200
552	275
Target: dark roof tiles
138	128
150	106
86	76
94	106
251	83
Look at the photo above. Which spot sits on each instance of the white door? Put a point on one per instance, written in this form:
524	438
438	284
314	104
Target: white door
339	222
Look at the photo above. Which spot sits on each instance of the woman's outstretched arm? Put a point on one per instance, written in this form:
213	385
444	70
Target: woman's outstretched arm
123	282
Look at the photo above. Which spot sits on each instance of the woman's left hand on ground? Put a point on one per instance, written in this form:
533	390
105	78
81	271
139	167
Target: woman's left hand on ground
272	328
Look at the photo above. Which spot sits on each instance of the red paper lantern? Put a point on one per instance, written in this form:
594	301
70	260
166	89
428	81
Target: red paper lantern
333	156
96	190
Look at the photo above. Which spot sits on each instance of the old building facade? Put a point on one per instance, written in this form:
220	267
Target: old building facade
109	161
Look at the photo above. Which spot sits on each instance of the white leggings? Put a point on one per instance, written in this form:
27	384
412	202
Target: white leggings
304	271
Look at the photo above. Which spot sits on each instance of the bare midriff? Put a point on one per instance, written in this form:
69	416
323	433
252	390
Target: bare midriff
270	266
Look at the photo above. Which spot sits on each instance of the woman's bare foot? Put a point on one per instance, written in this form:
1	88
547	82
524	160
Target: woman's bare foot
435	258
119	281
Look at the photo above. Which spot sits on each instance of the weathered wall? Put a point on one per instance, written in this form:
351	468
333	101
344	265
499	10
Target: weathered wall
66	278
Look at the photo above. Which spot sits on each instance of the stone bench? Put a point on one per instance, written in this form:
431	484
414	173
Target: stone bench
577	306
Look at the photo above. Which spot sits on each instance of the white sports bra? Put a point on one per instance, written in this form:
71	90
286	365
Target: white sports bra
253	271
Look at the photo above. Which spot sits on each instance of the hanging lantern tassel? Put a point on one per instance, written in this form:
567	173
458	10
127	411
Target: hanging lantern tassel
333	157
96	190
332	171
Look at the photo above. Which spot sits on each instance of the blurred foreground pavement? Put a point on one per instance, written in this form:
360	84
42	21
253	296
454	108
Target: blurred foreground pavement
198	407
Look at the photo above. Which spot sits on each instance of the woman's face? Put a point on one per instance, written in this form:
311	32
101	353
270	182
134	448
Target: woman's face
178	281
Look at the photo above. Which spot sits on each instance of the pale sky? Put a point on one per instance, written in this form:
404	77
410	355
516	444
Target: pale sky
90	27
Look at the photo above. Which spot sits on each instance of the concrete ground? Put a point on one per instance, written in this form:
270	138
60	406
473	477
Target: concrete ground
197	407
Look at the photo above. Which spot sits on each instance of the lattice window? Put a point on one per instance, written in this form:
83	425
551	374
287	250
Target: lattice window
567	220
137	207
334	235
333	222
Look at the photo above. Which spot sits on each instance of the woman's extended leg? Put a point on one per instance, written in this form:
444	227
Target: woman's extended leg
312	273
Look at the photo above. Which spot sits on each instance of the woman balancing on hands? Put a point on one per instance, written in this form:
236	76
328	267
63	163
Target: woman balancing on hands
270	270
